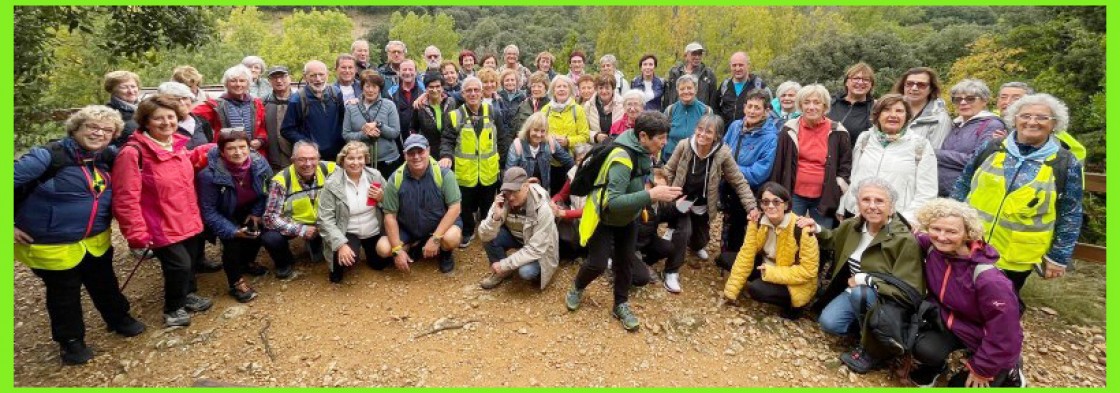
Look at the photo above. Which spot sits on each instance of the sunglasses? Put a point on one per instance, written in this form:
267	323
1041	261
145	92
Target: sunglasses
966	99
771	202
920	85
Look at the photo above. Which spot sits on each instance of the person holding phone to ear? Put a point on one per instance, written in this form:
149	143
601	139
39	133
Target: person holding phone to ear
232	200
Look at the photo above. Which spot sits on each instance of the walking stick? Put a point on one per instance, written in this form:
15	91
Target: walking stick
147	252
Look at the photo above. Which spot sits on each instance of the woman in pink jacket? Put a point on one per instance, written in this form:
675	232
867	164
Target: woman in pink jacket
155	205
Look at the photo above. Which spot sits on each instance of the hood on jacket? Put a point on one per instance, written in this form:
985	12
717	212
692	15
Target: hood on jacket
715	147
984	114
982	253
931	111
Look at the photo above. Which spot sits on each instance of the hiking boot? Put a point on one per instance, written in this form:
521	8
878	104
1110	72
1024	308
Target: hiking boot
627	317
673	282
242	291
75	352
573	298
493	280
196	303
128	327
926	376
256	270
859	361
702	254
284	273
208	266
177	318
446	262
466	241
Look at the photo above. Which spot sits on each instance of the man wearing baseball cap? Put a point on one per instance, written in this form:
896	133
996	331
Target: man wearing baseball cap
275	106
521	217
421	206
706	90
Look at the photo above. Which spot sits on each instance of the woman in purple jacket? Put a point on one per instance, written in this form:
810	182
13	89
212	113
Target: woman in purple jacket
978	306
973	126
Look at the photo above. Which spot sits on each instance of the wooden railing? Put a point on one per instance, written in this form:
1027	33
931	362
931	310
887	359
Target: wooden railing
1094	182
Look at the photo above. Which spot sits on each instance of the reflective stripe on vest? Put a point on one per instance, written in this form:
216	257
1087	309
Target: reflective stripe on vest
299	203
596	201
1019	223
476	154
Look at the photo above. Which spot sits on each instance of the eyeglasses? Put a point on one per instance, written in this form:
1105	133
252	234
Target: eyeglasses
869	202
306	160
859	79
966	99
916	84
1038	118
771	202
98	130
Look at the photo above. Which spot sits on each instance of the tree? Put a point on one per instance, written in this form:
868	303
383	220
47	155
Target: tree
315	35
825	62
244	30
419	31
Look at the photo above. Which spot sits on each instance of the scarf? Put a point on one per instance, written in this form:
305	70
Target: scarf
886	139
238	171
124	104
560	106
1015	150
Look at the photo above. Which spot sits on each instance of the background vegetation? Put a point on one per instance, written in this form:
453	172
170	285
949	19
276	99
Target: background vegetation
61	53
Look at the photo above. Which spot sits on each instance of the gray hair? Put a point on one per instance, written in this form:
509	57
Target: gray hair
395	42
880	183
470	79
304	143
634	94
715	121
561	79
511	46
974	87
250	61
438	52
1057	107
610	59
239	70
687	78
787	85
307	66
1018	85
176	89
815	89
356	43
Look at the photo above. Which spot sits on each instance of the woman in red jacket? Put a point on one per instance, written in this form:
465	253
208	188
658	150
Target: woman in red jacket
236	108
152	174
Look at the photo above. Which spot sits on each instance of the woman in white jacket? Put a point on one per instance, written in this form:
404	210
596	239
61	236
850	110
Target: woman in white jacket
906	160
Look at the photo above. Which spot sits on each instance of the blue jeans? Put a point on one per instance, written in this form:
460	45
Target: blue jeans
496	251
801	205
839	317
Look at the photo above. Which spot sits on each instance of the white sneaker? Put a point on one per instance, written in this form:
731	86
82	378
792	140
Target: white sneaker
668	234
702	254
673	282
608	264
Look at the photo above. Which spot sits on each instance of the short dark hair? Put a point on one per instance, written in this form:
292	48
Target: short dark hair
605	80
227	135
652	123
577	53
885	102
647	56
778	191
934	83
433	76
759	94
467	53
149	105
371	77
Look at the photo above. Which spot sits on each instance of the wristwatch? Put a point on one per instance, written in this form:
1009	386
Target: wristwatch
437	238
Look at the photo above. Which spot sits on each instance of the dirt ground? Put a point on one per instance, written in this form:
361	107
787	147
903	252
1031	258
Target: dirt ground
371	331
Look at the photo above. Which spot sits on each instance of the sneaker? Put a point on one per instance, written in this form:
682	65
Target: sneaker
177	318
128	327
702	254
859	362
284	273
466	241
493	280
209	266
196	303
75	352
446	262
573	298
624	315
673	282
926	376
242	291
256	270
668	234
1016	378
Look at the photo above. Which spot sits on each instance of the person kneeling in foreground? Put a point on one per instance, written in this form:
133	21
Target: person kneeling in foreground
779	262
977	302
421	206
520	217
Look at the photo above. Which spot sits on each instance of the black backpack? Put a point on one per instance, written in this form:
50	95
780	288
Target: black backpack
584	180
60	158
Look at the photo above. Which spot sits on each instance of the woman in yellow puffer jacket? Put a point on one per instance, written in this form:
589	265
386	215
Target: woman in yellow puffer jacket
786	262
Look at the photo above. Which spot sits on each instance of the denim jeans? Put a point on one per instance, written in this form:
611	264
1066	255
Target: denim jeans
801	205
839	317
496	251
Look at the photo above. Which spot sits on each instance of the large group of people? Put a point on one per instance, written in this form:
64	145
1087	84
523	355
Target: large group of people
840	205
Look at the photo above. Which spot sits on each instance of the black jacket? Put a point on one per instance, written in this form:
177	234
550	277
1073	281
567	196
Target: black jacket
856	117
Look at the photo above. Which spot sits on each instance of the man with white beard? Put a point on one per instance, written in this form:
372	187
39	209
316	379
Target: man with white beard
315	112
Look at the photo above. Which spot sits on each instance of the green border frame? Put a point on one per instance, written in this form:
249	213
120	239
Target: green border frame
8	127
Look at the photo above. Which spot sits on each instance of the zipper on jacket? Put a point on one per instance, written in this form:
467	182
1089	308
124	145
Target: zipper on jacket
999	211
941	295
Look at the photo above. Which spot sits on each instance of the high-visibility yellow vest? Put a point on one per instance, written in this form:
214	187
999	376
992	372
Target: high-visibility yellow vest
62	256
597	200
1019	223
433	167
299	203
476	154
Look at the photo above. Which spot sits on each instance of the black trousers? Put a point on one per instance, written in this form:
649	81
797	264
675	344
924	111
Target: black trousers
277	246
569	239
177	263
557	176
237	255
369	245
64	295
734	221
1018	279
617	243
932	350
387	168
692	232
476	200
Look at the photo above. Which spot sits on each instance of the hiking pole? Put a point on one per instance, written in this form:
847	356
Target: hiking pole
143	256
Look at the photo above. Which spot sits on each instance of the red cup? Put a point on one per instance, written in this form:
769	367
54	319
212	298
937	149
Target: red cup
371	201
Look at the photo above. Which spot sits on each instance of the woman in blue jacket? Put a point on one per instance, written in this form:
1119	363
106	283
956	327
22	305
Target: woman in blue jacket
63	228
232	197
753	141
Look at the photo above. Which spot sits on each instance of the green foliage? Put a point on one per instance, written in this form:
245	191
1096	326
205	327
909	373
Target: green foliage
419	31
135	31
825	62
244	30
314	35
